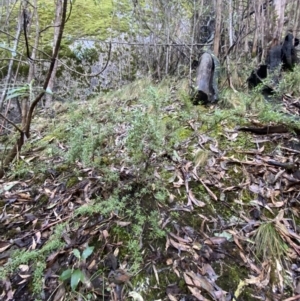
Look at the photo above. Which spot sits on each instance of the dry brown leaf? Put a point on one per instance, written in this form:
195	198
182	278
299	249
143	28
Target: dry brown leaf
171	297
122	224
33	244
23	267
25	276
60	293
232	137
179	183
105	234
263	279
214	148
193	199
197	293
155	273
180	239
169	261
188	280
179	246
167	244
202	283
4	246
214	240
211	161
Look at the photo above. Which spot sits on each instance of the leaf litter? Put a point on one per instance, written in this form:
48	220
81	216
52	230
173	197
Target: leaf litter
223	203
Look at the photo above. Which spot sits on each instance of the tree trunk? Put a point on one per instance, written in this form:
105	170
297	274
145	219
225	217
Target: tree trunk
230	27
26	100
279	9
217	38
57	21
296	18
10	66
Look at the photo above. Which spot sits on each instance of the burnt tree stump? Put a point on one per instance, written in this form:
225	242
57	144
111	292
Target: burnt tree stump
206	82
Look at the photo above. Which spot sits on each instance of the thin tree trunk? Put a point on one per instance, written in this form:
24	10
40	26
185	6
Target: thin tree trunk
58	12
195	21
217	38
26	100
279	9
230	24
167	24
257	9
11	62
296	17
246	45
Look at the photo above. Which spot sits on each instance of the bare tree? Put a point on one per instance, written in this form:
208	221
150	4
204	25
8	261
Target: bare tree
24	132
13	51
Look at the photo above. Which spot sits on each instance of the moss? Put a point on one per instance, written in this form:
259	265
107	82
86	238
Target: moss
65	51
47	51
62	168
183	133
72	181
43	199
89	19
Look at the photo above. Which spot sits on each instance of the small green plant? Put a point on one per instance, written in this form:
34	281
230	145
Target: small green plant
147	132
154	221
268	242
77	275
290	82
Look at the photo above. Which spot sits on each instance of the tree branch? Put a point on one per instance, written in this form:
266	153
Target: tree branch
53	59
12	123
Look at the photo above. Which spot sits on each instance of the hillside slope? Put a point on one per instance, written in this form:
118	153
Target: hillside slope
174	195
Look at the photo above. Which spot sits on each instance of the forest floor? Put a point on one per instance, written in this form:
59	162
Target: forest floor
139	194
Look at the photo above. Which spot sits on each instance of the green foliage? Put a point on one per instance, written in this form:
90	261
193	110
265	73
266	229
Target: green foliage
134	249
36	258
289	84
77	275
154	220
85	141
38	275
22	91
268	242
147	131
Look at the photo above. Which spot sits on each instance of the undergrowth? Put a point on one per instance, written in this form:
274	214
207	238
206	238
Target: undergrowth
135	129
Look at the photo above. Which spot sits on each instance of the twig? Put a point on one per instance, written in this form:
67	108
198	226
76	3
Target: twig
208	190
12	123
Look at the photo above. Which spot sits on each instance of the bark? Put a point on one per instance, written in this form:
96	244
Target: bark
58	12
217	38
296	18
258	24
167	28
193	38
230	29
279	9
26	100
246	45
205	76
